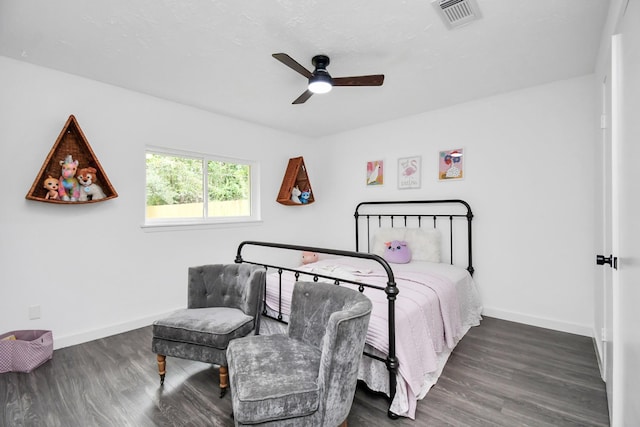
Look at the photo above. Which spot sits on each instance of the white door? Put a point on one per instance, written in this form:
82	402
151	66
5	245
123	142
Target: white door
626	218
603	317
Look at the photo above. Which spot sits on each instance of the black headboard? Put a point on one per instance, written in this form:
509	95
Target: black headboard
442	214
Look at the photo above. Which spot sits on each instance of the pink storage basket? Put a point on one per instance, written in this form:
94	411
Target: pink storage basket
29	350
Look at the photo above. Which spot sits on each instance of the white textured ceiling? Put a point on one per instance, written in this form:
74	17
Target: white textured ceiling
216	55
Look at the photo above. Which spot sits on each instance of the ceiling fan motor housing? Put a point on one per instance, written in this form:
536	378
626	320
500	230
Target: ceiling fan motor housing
320	62
320	80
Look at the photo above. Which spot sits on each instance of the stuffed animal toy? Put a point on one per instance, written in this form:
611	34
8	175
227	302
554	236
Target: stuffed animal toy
304	196
397	252
309	257
89	189
295	194
69	189
51	185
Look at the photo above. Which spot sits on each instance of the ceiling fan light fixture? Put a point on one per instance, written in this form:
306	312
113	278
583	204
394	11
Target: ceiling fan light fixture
320	83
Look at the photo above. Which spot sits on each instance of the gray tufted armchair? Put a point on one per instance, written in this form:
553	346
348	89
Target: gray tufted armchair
223	304
307	377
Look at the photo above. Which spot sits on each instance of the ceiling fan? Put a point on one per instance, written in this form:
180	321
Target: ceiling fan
320	81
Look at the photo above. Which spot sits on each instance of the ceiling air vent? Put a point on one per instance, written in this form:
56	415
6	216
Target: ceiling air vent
456	13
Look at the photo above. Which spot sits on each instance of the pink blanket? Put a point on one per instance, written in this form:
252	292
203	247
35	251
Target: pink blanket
427	311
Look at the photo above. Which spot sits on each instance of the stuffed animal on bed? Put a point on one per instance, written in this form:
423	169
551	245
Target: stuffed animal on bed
309	257
397	252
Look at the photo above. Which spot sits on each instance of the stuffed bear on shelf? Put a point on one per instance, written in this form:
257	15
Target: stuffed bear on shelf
89	190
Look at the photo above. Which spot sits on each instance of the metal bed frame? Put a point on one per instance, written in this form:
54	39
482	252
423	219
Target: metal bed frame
419	216
391	288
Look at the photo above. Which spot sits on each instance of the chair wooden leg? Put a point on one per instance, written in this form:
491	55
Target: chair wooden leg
344	424
224	380
162	367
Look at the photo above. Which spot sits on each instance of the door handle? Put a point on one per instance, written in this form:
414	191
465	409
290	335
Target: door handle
611	260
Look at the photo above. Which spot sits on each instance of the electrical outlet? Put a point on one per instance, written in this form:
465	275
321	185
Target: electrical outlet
34	312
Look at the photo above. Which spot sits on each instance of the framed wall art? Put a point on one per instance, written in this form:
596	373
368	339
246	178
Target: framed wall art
451	165
375	172
409	172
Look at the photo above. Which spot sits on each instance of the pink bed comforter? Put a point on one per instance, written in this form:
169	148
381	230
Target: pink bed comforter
427	311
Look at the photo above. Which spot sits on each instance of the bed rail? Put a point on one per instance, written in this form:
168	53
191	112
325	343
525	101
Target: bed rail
425	210
391	291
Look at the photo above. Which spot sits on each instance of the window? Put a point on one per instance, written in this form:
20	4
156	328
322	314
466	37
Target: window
178	184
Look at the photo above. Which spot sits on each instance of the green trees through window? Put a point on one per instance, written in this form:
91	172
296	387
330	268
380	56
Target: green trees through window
228	181
173	180
176	186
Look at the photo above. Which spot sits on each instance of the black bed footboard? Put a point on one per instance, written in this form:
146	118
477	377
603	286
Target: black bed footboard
450	218
391	291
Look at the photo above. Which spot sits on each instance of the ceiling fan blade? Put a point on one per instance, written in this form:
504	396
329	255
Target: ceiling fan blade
303	98
373	80
291	63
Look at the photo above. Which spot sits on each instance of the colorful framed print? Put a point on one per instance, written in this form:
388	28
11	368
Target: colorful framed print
375	172
409	172
451	165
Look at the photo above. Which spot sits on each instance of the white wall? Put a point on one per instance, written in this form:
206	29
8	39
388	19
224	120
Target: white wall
91	268
529	169
94	271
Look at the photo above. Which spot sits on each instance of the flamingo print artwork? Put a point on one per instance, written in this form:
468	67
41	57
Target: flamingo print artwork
409	172
411	168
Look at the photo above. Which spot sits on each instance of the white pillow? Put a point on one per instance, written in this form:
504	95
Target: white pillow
384	235
424	244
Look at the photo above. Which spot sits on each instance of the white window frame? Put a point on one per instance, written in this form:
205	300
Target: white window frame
160	224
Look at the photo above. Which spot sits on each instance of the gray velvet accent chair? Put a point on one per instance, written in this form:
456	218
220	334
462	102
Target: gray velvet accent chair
223	304
308	376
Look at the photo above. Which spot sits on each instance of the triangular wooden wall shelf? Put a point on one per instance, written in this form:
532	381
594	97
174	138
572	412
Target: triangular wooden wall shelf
71	141
296	175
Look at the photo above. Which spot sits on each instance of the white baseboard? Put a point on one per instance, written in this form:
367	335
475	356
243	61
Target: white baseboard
69	340
556	325
599	346
598	349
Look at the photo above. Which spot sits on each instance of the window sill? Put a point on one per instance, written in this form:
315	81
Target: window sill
197	225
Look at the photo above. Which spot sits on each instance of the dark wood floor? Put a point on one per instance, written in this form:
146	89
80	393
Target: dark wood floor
501	374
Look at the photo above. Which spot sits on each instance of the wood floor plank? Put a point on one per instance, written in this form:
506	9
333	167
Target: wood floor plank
501	374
